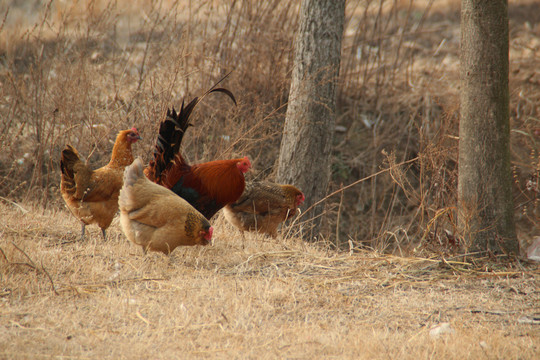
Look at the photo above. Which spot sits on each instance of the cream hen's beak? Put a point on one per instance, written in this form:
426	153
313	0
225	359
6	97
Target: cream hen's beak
207	236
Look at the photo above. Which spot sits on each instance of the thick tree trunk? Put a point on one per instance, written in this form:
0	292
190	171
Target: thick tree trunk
485	203
304	158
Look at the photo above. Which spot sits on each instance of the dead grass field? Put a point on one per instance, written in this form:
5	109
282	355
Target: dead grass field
61	298
77	72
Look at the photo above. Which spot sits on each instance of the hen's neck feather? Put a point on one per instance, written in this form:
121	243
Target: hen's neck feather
122	155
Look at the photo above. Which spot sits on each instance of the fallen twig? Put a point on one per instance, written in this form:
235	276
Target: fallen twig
33	265
17	205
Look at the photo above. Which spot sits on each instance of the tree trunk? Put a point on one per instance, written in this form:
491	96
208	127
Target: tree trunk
485	203
304	158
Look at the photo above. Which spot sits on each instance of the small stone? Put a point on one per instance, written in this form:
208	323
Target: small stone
440	329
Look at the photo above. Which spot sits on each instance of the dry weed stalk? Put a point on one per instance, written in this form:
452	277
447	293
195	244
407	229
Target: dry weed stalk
31	264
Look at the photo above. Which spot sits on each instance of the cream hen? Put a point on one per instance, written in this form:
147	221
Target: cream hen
157	219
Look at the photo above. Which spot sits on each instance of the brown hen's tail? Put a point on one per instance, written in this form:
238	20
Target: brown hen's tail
68	159
171	132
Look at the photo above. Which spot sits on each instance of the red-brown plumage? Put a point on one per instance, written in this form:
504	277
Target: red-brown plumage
208	186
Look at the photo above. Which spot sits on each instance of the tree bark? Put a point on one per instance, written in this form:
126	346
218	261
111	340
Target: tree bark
306	145
485	203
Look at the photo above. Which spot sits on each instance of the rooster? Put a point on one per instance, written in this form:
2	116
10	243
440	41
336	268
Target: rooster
92	195
263	206
209	186
156	218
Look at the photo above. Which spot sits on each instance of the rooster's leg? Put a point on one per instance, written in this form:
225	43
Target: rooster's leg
104	235
83	228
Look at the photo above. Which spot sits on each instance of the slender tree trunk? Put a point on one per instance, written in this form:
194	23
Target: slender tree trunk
306	146
485	203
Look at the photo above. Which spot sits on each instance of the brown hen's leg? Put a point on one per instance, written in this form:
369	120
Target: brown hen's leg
83	229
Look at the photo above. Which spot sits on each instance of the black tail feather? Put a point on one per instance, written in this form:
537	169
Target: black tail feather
173	128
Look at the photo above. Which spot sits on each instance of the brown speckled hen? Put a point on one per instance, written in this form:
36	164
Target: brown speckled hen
263	206
92	195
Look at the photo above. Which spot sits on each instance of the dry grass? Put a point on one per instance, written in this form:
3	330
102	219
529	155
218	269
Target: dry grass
62	298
